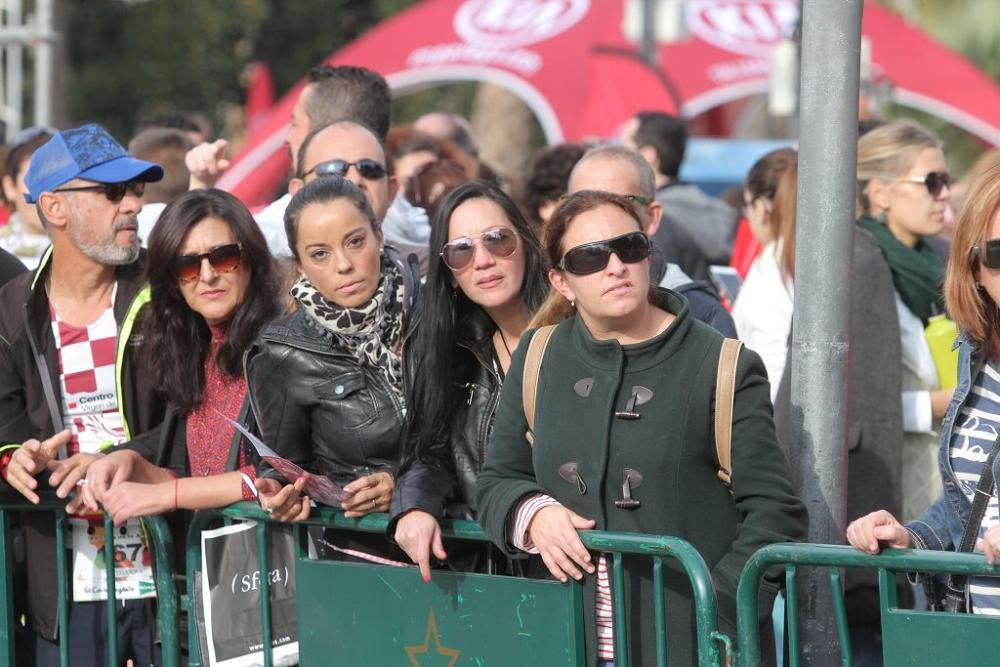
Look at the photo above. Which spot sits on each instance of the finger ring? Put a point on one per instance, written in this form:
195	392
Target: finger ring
269	510
374	503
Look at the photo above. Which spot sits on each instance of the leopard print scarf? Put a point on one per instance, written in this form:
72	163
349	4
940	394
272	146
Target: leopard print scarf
372	333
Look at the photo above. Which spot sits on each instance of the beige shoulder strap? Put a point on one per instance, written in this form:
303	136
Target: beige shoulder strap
529	383
725	390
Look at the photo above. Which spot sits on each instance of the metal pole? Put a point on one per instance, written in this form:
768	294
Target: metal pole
831	46
43	63
14	79
649	32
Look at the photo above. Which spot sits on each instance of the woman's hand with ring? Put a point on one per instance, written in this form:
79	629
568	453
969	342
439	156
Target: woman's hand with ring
368	494
283	503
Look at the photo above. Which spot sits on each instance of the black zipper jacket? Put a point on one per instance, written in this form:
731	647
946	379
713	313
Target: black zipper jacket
443	480
31	407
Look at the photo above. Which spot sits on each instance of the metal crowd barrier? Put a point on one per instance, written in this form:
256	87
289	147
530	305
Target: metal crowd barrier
909	637
344	606
161	546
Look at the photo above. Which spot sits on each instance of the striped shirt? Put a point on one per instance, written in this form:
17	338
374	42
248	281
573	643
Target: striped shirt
976	429
520	539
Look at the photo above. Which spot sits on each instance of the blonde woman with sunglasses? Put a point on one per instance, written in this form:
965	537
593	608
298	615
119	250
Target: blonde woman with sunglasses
903	191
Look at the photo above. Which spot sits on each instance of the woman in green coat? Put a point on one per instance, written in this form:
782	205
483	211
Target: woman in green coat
625	397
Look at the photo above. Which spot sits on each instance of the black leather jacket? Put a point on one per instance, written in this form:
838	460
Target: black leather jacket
443	481
317	406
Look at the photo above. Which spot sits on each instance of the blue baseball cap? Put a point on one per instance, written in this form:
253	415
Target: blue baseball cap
87	152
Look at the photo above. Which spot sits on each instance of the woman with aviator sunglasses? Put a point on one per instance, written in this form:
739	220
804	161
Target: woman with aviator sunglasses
481	290
903	189
212	291
968	446
623	435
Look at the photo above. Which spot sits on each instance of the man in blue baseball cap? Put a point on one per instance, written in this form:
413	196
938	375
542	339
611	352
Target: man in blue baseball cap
69	386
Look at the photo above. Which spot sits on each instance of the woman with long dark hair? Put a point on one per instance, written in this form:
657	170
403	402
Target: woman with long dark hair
485	280
212	290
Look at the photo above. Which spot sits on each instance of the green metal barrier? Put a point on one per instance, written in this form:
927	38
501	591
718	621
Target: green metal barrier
459	606
909	637
161	545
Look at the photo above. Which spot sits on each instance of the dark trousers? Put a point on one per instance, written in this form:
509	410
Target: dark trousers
88	636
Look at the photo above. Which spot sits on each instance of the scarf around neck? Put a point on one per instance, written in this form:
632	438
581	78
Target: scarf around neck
917	272
373	332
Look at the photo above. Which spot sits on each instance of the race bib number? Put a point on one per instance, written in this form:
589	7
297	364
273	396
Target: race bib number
133	562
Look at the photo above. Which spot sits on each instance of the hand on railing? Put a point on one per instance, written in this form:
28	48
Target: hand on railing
418	534
283	503
371	493
553	533
989	544
879	529
68	474
32	458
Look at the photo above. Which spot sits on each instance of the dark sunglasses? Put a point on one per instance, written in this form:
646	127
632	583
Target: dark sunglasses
458	254
988	253
371	170
223	259
115	192
934	181
593	257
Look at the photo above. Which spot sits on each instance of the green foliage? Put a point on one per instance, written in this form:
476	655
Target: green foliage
130	59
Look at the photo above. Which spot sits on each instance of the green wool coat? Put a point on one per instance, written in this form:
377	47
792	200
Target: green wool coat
582	383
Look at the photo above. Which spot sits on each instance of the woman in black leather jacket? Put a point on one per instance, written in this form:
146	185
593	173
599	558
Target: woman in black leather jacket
326	381
484	283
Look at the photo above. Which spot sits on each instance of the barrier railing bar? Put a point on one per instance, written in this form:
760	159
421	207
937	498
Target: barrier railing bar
111	606
166	591
791	617
162	553
840	613
199	523
7	620
62	604
895	560
706	608
265	593
618	605
660	611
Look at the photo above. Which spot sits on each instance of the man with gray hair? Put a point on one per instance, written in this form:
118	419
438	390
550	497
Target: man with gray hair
69	382
623	171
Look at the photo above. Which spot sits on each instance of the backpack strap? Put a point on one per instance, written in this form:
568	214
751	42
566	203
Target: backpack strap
529	382
725	391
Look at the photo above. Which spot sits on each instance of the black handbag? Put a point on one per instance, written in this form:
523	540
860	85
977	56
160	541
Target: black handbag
952	595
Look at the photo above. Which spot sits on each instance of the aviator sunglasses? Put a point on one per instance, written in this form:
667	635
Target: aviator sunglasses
458	254
115	192
223	259
371	170
934	181
593	257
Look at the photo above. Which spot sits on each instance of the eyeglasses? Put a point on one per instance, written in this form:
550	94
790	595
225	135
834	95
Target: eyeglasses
371	170
115	192
223	259
988	253
499	242
935	181
593	257
637	199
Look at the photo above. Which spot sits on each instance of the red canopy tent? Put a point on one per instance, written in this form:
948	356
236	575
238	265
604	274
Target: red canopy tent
570	62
